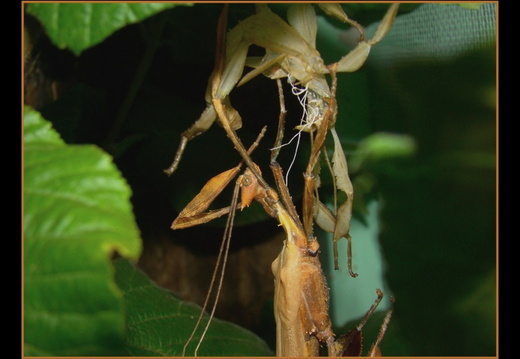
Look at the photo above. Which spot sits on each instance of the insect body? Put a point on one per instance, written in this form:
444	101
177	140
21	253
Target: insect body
301	296
301	293
290	52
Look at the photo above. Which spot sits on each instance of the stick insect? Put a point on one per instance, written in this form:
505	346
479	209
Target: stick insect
291	53
301	293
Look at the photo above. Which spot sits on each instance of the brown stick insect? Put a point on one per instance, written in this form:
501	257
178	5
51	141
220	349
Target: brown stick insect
291	53
301	293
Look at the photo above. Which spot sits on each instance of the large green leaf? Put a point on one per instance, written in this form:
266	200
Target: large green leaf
77	213
78	26
159	324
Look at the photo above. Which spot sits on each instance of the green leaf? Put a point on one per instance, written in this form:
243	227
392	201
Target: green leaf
76	215
38	131
159	324
78	26
382	147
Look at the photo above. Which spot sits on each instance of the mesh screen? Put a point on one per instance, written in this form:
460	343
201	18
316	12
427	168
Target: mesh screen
436	32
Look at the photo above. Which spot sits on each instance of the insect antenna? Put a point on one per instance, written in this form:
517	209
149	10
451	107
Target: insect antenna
221	259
